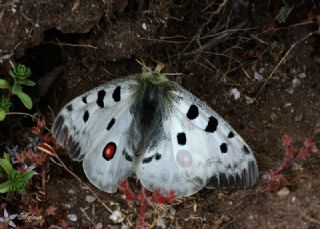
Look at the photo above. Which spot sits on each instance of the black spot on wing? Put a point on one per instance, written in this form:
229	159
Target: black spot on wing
111	123
157	156
231	134
224	148
245	149
86	116
147	160
101	95
126	155
84	99
181	138
212	124
116	95
57	125
69	107
193	112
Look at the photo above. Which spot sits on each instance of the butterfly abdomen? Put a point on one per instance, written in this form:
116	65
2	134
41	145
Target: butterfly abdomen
148	112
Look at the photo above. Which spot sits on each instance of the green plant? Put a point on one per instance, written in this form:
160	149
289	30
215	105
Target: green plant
284	13
20	75
5	105
16	181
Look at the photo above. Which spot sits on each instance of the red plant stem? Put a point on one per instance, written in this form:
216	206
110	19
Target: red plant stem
282	166
140	220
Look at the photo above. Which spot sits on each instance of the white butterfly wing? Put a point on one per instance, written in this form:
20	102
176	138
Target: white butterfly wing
94	128
157	169
206	149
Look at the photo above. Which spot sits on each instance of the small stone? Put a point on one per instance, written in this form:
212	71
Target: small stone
98	226
116	217
144	26
235	93
90	199
160	222
284	192
124	226
72	217
249	100
66	205
302	75
71	191
298	117
261	70
258	76
296	83
273	116
296	167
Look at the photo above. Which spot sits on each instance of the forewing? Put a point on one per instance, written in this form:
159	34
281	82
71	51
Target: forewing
207	150
93	127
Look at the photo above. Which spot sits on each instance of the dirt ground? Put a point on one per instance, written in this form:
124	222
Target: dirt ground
267	51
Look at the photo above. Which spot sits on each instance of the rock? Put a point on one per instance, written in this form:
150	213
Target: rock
116	216
98	226
302	75
258	76
235	93
90	199
284	192
72	217
298	117
295	83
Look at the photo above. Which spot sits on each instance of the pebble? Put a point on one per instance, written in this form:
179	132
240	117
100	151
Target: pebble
295	82
298	117
116	216
261	70
71	191
160	222
302	75
284	192
249	100
258	76
90	199
98	226
72	217
235	93
273	116
144	26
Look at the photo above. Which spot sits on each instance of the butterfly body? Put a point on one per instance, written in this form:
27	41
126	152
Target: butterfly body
148	125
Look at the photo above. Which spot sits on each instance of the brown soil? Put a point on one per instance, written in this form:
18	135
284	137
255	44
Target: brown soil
73	46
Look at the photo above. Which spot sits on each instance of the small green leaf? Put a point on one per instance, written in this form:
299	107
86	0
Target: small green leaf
2	114
6	186
6	165
4	84
27	82
16	89
25	99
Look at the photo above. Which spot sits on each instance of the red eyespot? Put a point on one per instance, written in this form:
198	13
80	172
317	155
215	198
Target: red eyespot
109	151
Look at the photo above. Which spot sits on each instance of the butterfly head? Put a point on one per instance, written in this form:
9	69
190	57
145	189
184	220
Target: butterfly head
154	76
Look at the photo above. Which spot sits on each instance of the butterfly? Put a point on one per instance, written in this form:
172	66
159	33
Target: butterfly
150	126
